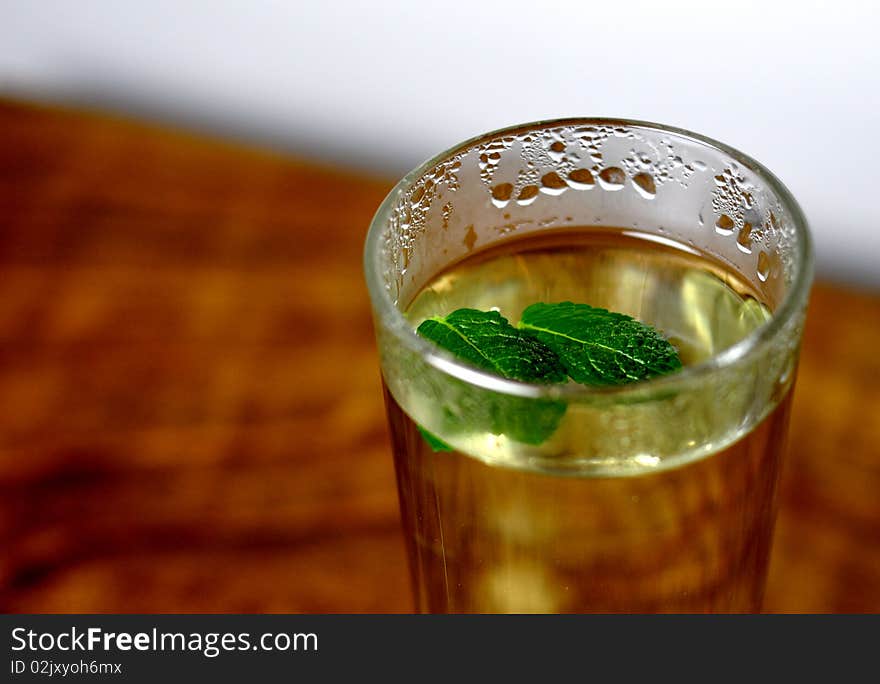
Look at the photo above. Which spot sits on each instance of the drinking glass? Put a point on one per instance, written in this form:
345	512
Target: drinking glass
653	496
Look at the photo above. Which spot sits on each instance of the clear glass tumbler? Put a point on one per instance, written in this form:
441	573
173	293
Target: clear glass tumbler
653	496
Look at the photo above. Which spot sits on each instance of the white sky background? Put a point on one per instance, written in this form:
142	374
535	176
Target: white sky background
386	84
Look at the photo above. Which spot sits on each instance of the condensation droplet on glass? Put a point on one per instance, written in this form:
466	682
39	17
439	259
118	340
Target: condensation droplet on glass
556	150
612	178
527	195
447	210
417	195
724	225
644	185
744	239
763	266
699	165
581	179
552	184
470	238
501	194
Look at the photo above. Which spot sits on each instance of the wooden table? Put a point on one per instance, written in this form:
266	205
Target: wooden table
190	411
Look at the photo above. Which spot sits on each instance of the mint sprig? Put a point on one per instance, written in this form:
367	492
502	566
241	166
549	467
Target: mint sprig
553	342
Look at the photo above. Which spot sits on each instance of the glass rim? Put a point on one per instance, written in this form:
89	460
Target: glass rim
753	344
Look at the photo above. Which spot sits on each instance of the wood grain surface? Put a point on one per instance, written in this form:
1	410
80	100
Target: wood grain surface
190	409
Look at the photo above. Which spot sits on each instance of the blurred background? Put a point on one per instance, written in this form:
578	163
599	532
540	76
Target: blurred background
382	86
190	407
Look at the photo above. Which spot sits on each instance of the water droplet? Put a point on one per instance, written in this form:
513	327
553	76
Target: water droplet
699	165
581	179
644	185
489	159
612	178
501	194
417	195
724	225
470	238
744	239
552	184
763	266
527	195
446	212
556	151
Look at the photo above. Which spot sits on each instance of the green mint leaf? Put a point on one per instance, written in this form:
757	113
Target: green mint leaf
433	441
530	421
599	347
485	339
